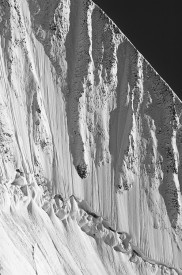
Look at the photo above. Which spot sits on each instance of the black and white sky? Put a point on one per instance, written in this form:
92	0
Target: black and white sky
155	28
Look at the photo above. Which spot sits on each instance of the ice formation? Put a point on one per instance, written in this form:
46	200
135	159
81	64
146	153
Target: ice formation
90	147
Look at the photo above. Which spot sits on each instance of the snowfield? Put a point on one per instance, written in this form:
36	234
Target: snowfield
90	147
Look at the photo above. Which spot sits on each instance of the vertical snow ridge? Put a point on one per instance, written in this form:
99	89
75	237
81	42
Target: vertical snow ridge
166	127
86	114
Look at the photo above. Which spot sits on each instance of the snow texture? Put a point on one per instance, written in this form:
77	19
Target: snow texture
90	147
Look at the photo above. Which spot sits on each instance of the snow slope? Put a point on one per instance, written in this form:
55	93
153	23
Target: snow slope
83	113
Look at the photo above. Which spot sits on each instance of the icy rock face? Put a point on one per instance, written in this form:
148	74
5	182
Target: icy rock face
86	118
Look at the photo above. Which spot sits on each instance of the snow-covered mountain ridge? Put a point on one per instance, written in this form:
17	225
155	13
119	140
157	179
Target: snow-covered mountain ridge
83	113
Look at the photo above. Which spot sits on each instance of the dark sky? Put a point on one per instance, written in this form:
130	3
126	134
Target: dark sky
155	28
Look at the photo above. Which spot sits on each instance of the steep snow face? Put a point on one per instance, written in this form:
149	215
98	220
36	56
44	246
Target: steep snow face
83	113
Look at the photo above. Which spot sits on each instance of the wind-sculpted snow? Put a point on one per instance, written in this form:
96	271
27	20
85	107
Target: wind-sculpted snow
58	236
90	147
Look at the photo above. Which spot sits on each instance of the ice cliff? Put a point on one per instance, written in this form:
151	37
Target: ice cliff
95	135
